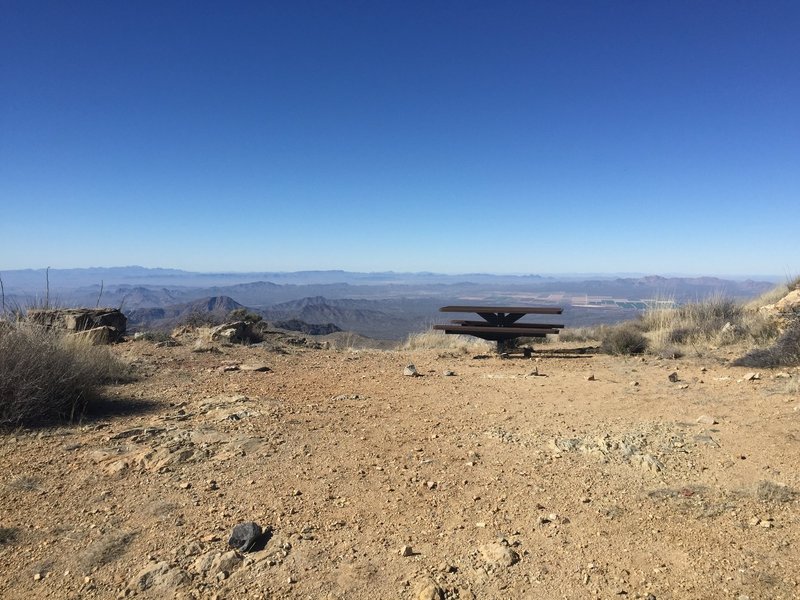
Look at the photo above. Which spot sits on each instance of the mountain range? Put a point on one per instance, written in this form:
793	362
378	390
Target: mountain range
383	305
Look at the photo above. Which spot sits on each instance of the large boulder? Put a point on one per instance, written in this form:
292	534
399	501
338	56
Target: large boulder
107	324
790	303
785	311
237	331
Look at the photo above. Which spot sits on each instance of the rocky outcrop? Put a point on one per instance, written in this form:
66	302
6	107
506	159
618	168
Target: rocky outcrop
237	331
786	310
98	325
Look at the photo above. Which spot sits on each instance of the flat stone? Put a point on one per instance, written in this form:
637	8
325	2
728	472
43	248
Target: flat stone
257	368
706	420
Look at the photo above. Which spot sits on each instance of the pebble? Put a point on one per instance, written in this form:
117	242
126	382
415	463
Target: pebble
752	376
406	551
410	371
634	384
591	378
673	377
37	577
449	373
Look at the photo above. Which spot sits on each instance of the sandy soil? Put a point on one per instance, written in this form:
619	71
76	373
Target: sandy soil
493	482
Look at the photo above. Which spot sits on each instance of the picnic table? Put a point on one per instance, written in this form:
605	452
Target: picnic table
501	323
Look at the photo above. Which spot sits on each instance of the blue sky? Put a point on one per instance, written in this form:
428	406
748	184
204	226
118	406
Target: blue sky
528	137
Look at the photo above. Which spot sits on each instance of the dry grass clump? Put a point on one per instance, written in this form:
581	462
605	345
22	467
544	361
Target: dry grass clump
47	375
106	549
767	491
785	352
625	338
775	294
438	340
717	321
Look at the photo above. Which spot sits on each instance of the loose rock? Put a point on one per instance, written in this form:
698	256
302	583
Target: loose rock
244	535
430	591
706	420
497	555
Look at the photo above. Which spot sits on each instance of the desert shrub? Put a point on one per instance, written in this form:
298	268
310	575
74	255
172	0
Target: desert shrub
626	338
716	321
785	352
47	375
154	336
242	314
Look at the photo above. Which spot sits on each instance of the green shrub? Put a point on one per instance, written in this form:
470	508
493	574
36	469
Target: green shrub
48	375
154	336
626	338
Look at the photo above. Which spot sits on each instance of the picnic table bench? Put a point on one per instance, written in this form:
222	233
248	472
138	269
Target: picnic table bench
501	323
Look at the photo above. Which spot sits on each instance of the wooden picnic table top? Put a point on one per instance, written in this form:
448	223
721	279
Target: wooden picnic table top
487	329
514	310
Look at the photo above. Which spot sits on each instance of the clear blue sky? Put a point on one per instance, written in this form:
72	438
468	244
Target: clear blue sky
532	137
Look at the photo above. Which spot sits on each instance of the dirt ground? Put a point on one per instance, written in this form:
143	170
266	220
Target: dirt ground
515	478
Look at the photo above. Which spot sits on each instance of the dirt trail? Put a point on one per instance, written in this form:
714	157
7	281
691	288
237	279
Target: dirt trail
494	482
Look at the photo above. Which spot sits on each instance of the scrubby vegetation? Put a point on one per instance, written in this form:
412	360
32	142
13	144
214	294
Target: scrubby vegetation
626	338
783	353
48	375
717	321
154	336
242	314
437	340
701	326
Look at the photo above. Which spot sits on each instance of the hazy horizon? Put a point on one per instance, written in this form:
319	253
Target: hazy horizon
516	137
566	275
